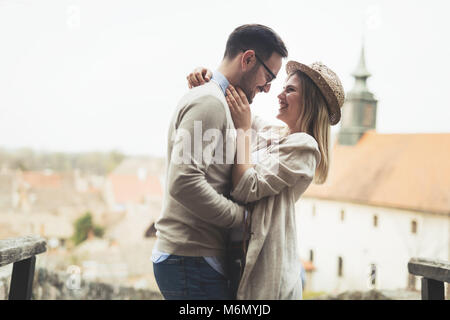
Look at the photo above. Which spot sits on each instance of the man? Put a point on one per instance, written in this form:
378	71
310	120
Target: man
190	253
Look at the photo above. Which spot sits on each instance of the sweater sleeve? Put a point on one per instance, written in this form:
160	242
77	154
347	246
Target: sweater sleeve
293	161
187	174
259	123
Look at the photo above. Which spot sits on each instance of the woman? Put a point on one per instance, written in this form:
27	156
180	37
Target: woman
285	166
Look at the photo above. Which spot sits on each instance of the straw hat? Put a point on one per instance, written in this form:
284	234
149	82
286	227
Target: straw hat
328	83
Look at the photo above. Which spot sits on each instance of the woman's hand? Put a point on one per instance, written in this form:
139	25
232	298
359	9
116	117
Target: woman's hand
242	118
198	77
239	108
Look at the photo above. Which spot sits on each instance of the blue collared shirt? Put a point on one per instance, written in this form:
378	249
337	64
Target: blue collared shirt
220	79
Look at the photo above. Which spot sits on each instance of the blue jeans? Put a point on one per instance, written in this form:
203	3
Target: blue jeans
191	278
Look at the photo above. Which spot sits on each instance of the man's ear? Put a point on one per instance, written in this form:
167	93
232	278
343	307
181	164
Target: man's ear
248	60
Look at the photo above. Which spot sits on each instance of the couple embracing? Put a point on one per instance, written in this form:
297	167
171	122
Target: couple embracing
228	226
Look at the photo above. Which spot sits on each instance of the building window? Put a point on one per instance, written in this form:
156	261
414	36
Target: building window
373	274
340	266
414	226
342	215
375	221
313	210
311	255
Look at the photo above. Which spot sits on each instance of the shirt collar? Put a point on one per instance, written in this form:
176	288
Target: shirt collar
220	80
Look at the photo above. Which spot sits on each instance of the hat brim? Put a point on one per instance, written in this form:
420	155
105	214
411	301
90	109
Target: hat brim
334	109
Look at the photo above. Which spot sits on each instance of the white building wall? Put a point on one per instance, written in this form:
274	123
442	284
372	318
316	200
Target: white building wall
390	245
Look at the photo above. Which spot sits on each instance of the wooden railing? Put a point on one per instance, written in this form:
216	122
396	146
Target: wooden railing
434	274
22	252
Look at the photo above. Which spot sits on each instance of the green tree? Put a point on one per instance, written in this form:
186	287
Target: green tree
83	226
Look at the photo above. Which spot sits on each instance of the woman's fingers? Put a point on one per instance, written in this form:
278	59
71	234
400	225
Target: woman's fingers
198	73
236	96
239	95
208	74
193	80
202	75
230	105
231	98
199	77
240	112
242	95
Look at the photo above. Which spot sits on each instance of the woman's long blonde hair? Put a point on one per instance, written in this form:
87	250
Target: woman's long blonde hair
314	120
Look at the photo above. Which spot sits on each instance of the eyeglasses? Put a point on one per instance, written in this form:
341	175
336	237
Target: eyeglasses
265	67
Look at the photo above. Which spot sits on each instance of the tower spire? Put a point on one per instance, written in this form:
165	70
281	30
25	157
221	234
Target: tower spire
361	70
361	74
360	108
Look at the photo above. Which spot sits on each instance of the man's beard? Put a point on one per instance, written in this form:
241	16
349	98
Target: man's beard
247	84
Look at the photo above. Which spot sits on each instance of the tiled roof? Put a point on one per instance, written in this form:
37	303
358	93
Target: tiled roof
406	171
136	178
41	179
147	165
130	188
56	190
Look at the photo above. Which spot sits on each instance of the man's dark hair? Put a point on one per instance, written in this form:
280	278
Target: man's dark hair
256	37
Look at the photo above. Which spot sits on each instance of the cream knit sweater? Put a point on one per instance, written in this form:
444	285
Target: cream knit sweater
283	172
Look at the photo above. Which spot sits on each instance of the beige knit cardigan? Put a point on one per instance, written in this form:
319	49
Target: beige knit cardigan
283	171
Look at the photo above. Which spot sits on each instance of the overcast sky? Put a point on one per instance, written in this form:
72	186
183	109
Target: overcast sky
84	75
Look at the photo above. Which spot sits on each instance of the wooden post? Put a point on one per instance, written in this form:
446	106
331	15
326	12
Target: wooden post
432	289
22	253
434	274
22	279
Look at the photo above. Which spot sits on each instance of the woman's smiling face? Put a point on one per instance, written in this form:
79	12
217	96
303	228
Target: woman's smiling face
290	102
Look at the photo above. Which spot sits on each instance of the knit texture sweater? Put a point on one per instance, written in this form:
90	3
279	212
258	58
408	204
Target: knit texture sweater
197	212
282	173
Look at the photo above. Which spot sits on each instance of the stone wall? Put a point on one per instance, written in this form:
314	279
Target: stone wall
373	295
52	285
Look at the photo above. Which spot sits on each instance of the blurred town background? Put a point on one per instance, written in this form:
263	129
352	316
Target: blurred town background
96	210
88	89
383	203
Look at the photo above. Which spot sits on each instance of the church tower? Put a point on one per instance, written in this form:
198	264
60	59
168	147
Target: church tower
359	112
